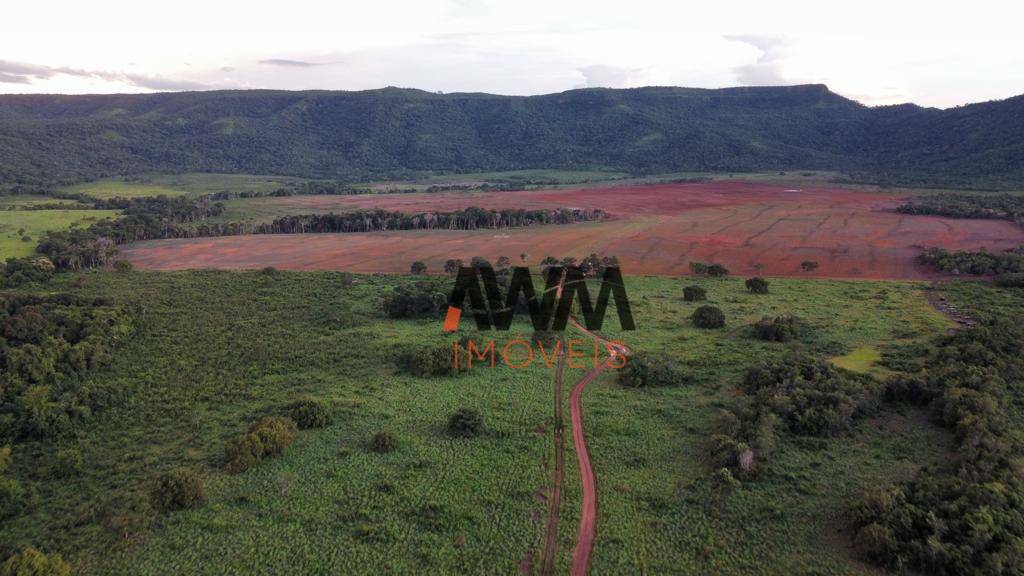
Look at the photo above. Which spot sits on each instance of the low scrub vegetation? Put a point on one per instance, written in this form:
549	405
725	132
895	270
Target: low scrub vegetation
309	413
178	489
779	329
797	394
757	285
270	436
708	317
644	370
694	294
466	423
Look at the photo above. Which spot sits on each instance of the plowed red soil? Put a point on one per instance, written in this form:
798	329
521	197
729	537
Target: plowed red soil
656	229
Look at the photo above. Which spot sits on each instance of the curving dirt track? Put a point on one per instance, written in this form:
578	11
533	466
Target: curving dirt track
588	512
656	229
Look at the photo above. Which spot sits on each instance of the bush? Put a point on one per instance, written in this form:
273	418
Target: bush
809	265
309	414
418	268
780	329
178	489
268	437
123	266
384	442
717	270
466	423
708	317
275	434
757	285
694	294
644	370
32	562
242	452
435	361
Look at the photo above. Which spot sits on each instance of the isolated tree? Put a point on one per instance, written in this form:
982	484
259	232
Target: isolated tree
757	285
699	268
717	270
418	267
452	265
694	294
708	317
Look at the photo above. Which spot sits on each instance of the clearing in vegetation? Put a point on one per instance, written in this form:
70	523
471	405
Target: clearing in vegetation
753	229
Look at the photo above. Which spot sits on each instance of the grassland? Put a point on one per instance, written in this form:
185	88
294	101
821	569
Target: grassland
193	184
16	225
215	350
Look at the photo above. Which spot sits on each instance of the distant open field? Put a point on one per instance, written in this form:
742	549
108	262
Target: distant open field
179	185
654	229
18	224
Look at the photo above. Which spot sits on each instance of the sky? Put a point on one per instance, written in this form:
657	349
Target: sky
931	53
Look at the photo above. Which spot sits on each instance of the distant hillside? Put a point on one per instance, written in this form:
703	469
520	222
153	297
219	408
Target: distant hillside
50	139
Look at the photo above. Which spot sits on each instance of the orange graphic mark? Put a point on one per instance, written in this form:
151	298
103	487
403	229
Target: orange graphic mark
451	321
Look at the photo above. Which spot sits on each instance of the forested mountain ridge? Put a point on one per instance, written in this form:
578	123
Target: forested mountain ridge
47	139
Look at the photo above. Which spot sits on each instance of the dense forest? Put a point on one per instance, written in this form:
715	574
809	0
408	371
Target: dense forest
965	520
50	139
988	206
981	263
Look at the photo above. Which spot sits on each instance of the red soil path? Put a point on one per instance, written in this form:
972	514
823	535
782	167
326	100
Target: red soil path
588	511
656	229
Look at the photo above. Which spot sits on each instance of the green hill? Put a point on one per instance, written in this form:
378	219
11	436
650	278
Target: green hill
46	139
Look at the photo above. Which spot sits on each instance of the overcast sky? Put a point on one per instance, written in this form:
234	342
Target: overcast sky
932	53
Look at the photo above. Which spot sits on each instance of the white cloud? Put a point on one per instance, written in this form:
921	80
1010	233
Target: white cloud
934	53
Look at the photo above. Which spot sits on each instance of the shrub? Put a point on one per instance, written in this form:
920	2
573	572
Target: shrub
275	434
694	294
717	270
123	266
418	267
757	285
809	265
32	562
242	452
435	361
384	442
178	489
309	413
699	268
708	317
780	329
644	370
465	423
267	437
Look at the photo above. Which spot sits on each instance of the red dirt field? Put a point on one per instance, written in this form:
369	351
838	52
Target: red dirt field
656	229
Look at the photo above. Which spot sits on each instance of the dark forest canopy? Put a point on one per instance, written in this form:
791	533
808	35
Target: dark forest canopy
51	139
